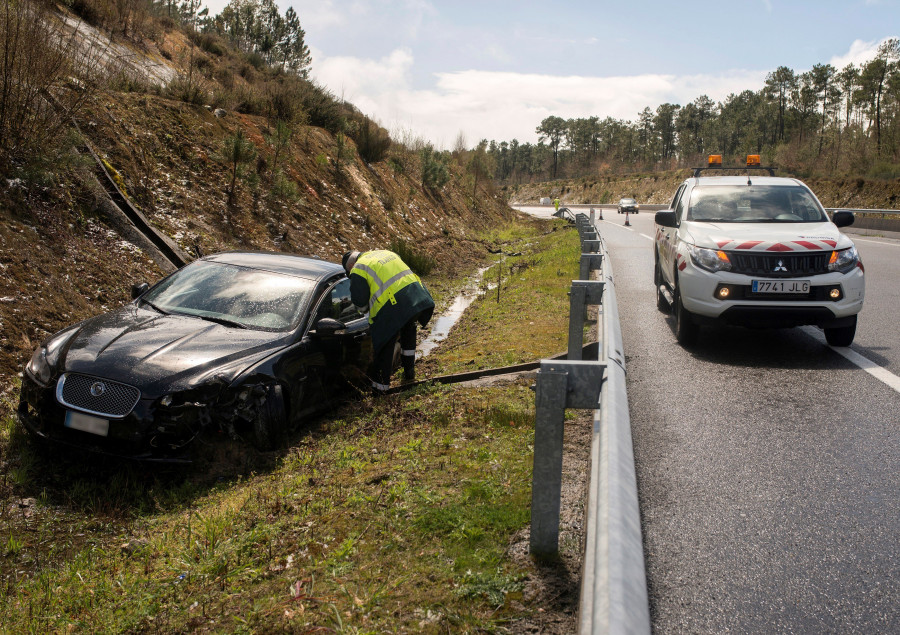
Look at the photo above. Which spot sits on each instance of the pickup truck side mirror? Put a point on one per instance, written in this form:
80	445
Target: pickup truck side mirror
843	218
666	218
139	289
327	327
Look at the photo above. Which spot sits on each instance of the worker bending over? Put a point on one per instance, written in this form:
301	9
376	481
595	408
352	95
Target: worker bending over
396	300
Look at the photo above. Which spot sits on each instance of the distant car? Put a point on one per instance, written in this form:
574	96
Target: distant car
546	201
756	251
628	205
246	343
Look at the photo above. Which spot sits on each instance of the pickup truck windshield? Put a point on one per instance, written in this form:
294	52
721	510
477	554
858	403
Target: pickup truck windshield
754	204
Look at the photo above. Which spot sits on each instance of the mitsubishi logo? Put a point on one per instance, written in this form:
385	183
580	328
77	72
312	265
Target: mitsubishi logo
780	266
97	389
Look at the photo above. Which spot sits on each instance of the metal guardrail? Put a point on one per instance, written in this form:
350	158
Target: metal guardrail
613	588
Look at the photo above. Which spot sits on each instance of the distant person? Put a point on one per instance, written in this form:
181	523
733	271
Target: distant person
396	300
556	203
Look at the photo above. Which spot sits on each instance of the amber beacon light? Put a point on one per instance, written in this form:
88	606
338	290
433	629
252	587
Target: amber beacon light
753	159
715	160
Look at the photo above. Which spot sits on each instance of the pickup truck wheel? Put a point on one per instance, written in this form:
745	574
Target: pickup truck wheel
841	335
270	425
685	329
662	303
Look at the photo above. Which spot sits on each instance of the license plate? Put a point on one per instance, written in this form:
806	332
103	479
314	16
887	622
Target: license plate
781	286
87	423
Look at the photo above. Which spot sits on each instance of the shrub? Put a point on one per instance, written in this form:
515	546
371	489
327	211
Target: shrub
323	108
421	264
283	189
33	128
189	92
283	100
372	141
396	164
211	44
87	10
435	168
249	102
256	60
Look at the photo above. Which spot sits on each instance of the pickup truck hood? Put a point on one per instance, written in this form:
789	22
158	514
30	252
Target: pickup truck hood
767	236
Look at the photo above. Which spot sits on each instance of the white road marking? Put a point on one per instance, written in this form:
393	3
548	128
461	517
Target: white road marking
647	237
879	373
617	225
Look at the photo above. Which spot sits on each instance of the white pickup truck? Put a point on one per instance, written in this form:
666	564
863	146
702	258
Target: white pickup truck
756	251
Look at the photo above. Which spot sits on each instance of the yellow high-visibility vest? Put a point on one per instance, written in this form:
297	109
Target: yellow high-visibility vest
386	275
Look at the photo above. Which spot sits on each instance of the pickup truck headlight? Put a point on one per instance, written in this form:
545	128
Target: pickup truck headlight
843	260
710	259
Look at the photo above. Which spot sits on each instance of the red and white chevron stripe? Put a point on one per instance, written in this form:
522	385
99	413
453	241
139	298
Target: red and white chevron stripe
727	244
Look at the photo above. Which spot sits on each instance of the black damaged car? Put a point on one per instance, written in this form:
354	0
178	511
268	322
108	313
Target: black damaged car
247	343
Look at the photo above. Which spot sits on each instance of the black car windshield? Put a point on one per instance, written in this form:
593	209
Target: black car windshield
754	204
230	294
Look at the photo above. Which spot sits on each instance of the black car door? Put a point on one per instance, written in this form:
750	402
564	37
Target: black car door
346	352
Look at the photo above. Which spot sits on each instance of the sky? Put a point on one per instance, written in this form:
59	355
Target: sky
494	69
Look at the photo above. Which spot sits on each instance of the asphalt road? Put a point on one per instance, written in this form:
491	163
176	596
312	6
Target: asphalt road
767	462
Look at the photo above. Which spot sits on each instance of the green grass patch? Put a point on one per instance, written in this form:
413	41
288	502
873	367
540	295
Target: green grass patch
389	515
522	311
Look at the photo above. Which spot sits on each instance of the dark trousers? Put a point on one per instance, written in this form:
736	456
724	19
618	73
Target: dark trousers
383	363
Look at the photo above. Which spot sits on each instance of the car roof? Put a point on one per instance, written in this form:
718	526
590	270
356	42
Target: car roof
290	264
742	180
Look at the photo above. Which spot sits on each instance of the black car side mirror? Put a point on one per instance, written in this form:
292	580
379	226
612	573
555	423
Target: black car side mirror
843	218
139	289
666	218
327	327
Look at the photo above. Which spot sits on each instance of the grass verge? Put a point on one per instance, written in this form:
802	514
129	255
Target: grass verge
394	515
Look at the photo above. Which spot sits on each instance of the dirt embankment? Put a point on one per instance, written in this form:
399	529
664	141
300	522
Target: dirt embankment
658	188
61	263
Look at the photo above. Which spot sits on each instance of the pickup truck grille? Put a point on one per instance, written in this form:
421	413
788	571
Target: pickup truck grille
792	265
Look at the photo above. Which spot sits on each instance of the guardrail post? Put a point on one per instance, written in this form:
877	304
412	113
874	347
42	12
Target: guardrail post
589	263
583	293
546	479
561	384
590	246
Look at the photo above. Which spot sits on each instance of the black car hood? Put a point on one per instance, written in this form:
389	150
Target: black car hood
162	353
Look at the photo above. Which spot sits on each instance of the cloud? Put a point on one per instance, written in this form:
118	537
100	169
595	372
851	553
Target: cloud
503	105
860	52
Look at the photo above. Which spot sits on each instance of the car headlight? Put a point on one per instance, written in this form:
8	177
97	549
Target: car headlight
843	260
710	259
38	367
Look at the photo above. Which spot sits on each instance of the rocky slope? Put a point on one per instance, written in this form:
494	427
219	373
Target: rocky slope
61	262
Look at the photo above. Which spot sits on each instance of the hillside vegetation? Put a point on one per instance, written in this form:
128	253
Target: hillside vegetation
220	149
659	187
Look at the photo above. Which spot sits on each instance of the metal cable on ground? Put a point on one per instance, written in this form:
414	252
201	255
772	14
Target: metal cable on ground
589	350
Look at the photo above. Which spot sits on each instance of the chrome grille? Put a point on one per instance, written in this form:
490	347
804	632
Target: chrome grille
797	264
96	396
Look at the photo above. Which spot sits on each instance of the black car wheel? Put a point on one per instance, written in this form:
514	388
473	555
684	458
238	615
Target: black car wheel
662	303
841	335
271	422
685	329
